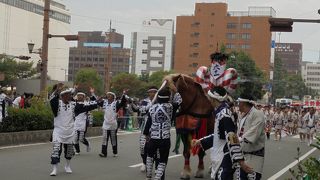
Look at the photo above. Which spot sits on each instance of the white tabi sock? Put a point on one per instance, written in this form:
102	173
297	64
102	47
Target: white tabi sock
67	167
54	170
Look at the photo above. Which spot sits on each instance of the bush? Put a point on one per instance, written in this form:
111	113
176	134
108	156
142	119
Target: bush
308	169
97	118
38	117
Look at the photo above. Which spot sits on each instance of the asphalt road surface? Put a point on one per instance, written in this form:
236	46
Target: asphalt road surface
32	162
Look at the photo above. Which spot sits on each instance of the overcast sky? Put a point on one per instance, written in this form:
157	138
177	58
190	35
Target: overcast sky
127	16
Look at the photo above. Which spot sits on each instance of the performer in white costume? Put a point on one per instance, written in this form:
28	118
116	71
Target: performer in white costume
63	135
252	137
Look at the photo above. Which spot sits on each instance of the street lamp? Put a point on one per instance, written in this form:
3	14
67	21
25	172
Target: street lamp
30	48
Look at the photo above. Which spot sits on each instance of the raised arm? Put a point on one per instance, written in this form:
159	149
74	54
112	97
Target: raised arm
80	108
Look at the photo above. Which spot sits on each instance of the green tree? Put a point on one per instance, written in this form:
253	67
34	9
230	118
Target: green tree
279	79
251	78
288	85
15	70
122	81
89	77
156	78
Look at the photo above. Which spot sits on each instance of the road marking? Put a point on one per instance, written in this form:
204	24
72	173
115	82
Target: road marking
296	136
140	164
38	144
281	172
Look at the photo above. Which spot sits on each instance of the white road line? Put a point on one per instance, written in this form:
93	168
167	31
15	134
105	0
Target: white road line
140	164
38	144
296	136
281	172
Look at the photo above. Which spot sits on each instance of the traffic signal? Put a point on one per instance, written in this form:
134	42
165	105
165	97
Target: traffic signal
280	24
24	57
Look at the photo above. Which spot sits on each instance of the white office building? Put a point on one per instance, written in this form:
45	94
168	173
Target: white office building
152	47
311	75
21	21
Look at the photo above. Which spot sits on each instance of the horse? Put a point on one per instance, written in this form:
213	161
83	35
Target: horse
198	110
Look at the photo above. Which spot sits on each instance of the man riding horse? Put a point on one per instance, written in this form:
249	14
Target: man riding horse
196	120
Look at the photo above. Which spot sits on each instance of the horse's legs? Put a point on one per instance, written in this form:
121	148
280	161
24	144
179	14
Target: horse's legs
186	173
200	171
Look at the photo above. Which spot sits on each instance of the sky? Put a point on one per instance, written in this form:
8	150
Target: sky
127	16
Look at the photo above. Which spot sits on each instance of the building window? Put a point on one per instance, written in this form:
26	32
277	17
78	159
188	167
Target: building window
145	41
231	25
76	59
246	36
246	26
160	52
195	24
159	62
195	45
161	42
194	55
245	46
143	61
212	25
101	59
230	46
143	71
195	34
231	36
144	51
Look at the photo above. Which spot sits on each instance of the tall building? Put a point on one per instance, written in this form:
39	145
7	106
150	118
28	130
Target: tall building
198	35
311	75
93	51
21	22
152	47
291	56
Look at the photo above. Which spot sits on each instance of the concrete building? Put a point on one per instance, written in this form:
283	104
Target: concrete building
152	47
21	22
291	56
198	35
311	75
92	51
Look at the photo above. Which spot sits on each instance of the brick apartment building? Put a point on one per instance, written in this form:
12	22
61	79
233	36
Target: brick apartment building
92	51
197	35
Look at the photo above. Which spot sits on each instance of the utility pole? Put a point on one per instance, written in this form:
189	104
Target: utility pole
109	60
44	49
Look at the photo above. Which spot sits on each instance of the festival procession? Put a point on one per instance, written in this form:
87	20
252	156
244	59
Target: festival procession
226	93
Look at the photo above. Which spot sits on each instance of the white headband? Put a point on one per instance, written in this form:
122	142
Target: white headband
81	93
163	97
246	100
113	94
217	96
152	90
69	90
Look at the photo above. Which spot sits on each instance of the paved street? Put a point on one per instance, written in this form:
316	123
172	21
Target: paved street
32	162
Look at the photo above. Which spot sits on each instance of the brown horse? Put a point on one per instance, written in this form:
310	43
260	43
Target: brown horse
195	107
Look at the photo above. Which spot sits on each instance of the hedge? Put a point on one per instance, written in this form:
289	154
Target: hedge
38	117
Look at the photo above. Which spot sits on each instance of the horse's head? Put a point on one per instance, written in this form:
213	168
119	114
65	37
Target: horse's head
194	99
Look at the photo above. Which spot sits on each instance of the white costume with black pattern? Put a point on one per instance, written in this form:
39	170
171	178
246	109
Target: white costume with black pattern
225	150
158	128
80	127
63	132
110	124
